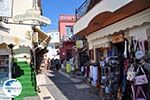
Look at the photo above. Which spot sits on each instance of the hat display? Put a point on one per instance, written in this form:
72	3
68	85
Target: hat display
139	54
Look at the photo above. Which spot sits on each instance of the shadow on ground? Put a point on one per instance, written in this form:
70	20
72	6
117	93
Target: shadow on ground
69	89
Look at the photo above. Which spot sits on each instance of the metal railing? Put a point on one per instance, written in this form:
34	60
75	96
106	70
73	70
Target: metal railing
85	7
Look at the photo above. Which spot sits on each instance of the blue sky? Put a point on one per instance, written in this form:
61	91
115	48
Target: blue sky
53	8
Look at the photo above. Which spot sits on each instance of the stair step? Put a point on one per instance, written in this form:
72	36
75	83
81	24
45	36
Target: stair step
26	80
21	62
27	93
25	77
29	88
19	98
24	67
23	59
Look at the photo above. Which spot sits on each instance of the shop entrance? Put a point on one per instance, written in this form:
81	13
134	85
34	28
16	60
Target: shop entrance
99	54
118	49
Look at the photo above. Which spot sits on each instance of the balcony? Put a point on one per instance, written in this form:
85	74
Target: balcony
92	8
85	7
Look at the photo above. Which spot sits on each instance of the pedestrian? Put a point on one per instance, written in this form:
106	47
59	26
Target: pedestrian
57	64
83	70
72	64
52	63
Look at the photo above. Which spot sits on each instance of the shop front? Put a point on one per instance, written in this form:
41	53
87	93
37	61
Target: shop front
116	56
119	48
7	42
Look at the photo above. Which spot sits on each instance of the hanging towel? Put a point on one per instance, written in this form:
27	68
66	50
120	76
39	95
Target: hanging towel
125	49
95	75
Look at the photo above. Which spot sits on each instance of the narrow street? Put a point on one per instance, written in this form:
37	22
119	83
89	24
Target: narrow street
74	49
64	88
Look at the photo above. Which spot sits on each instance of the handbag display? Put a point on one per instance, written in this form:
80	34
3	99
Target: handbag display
141	79
136	95
131	73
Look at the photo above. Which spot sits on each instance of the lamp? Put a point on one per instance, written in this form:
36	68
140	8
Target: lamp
11	46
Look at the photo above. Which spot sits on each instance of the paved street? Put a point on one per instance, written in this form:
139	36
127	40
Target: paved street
62	87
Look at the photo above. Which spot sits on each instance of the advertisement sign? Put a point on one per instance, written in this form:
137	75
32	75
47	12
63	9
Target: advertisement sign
12	88
79	44
6	8
35	37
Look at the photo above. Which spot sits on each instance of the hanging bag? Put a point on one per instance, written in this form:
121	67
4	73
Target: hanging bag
137	95
131	73
141	79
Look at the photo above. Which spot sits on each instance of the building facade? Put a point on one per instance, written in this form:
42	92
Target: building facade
66	23
115	31
103	24
17	29
53	45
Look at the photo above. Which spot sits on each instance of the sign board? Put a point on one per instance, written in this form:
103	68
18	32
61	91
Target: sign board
32	14
35	37
12	88
6	8
117	38
79	44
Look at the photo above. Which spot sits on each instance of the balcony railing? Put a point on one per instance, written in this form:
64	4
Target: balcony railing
85	7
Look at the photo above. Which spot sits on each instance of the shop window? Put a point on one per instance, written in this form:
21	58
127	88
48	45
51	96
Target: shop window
69	31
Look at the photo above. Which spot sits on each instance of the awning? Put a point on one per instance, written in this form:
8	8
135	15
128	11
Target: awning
45	39
130	22
8	38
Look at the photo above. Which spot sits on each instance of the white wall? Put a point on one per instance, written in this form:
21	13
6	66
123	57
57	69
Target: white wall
139	33
104	5
55	36
20	7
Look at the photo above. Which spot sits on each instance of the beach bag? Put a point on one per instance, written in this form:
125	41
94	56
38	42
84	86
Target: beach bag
131	73
107	89
141	79
136	95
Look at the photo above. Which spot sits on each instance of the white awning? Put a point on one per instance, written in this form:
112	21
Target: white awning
132	21
8	38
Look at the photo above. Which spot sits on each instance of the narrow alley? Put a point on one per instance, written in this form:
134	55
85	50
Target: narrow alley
66	87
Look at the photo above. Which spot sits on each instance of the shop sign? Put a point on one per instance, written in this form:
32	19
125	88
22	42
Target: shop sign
6	8
79	44
35	37
31	15
12	88
117	38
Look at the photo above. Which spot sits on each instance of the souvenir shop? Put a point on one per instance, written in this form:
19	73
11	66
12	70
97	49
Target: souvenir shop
125	72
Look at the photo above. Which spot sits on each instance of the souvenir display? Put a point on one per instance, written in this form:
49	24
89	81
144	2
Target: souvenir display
125	73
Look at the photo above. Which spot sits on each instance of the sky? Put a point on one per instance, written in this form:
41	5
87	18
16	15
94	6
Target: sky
53	8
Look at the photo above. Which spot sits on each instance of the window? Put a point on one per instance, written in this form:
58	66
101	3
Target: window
69	31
